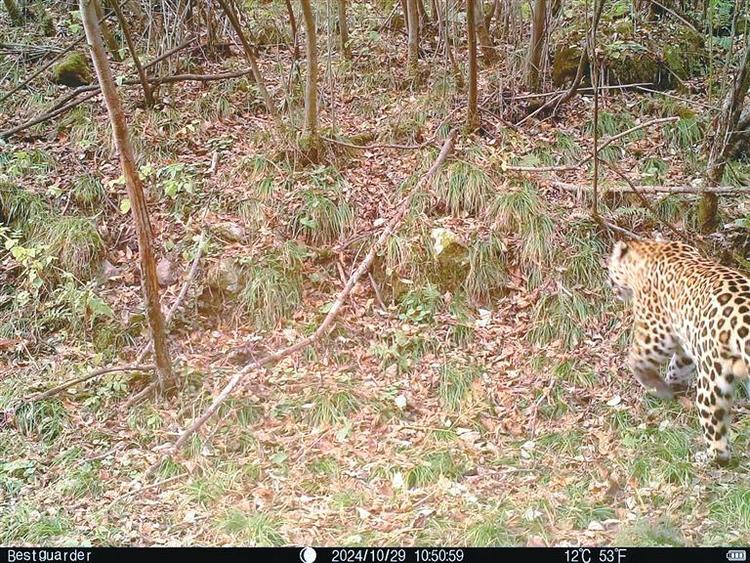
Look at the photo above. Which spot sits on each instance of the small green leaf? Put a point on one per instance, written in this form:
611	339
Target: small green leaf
324	309
98	307
279	458
124	205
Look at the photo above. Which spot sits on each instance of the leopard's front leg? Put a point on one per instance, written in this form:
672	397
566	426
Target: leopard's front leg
652	346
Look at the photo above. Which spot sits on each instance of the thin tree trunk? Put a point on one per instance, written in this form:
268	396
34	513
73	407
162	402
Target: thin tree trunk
725	133
134	187
536	44
344	31
15	13
488	15
443	30
109	38
472	114
412	61
235	22
293	25
311	134
423	19
148	96
485	41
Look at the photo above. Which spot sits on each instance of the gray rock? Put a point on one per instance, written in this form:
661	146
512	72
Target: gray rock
165	273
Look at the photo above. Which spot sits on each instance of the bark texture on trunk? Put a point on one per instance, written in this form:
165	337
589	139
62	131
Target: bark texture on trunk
412	61
536	45
343	31
472	114
311	135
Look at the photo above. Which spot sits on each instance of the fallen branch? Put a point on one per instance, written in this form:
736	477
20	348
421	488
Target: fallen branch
513	97
376	289
333	312
559	100
647	204
430	141
93	90
583	161
46	116
90	375
32	51
677	15
683	100
614	138
138	397
145	488
721	190
621	230
167	54
541	168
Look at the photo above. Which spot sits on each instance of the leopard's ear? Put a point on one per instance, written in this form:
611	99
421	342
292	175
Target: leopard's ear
620	250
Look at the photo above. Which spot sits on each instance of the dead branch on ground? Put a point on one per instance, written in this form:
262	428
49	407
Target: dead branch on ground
653	190
96	373
92	90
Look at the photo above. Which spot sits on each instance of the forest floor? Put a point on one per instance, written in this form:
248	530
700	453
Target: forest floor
498	412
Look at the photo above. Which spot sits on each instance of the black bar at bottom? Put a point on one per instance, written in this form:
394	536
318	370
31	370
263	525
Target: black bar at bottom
374	555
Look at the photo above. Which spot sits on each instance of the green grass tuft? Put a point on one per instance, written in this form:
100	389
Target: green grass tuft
731	512
487	269
455	384
567	147
420	304
461	328
645	533
572	371
524	212
561	316
43	419
654	171
329	408
272	284
256	529
584	266
21	209
463	187
491	530
684	134
323	215
76	244
434	465
88	191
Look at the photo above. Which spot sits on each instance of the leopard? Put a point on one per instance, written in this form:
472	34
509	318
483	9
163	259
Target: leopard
694	313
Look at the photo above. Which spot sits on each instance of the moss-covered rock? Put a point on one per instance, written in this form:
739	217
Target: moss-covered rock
657	53
633	65
565	65
73	70
451	259
685	56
